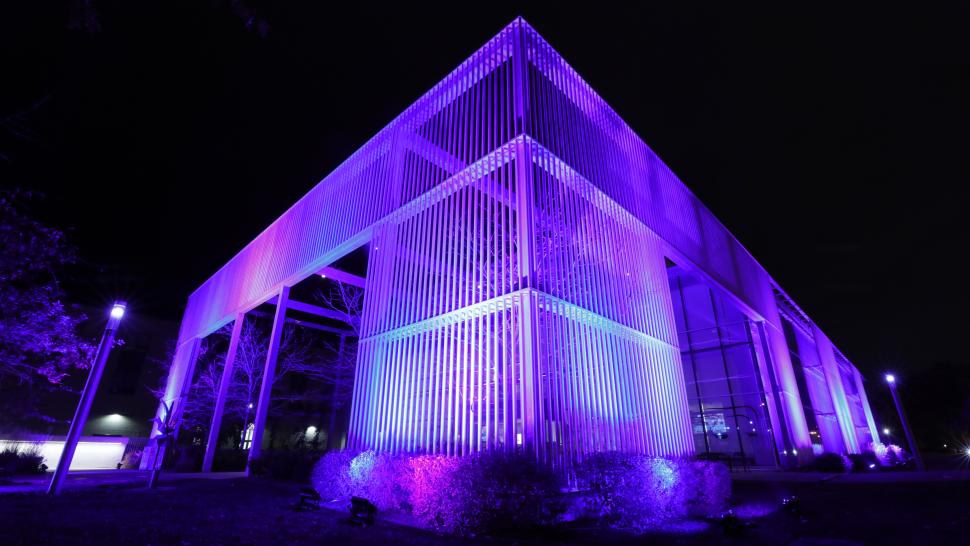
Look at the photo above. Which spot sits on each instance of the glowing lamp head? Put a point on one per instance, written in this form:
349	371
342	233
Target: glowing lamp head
967	452
118	310
885	431
890	378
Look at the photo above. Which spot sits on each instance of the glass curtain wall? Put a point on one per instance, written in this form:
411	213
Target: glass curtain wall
724	388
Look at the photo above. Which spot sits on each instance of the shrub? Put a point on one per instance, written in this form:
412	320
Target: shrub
863	462
633	491
890	455
707	486
15	461
131	459
521	492
331	475
483	493
830	462
441	488
381	478
495	493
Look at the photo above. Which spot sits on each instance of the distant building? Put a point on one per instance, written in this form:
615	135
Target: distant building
537	278
124	405
122	412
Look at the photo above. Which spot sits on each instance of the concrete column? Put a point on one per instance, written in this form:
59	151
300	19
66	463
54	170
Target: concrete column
861	389
212	442
531	407
833	379
776	418
269	373
788	400
179	384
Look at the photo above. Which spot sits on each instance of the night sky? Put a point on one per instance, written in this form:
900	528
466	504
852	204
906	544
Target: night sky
834	145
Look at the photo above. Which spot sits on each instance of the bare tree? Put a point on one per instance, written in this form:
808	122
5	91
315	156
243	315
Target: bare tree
298	355
337	372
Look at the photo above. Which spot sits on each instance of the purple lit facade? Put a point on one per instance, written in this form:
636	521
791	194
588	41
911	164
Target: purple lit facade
539	279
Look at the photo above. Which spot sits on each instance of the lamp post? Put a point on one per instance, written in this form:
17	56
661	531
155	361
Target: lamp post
87	397
242	439
891	381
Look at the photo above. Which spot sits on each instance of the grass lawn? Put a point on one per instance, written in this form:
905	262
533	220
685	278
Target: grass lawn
252	511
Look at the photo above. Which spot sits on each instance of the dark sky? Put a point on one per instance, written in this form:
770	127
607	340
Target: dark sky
833	144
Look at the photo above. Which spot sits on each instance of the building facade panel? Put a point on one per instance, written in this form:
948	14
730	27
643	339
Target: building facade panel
537	278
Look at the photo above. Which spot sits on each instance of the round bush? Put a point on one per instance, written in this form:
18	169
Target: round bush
493	493
830	462
331	475
633	491
496	493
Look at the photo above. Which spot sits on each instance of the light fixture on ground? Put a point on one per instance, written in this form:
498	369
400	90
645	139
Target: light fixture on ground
87	397
891	381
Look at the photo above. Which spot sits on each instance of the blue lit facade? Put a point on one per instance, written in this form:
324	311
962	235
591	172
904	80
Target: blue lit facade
539	279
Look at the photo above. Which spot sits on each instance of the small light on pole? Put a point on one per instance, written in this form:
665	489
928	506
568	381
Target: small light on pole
242	439
891	381
87	397
885	431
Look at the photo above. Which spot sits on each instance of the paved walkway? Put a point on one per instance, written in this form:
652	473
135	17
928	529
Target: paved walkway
96	478
868	477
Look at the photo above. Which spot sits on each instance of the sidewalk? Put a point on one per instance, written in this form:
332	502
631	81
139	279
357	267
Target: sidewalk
868	477
96	478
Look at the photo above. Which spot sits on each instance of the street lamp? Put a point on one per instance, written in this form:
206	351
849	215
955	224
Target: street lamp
891	381
242	438
87	397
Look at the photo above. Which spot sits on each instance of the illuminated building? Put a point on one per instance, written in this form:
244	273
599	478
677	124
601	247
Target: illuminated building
538	279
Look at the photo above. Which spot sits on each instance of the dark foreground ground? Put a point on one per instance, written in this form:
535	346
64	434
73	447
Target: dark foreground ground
251	511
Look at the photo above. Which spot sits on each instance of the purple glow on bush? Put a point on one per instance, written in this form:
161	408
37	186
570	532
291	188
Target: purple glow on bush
361	466
482	492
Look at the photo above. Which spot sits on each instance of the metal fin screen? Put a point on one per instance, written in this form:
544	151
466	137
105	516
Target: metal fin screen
517	232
